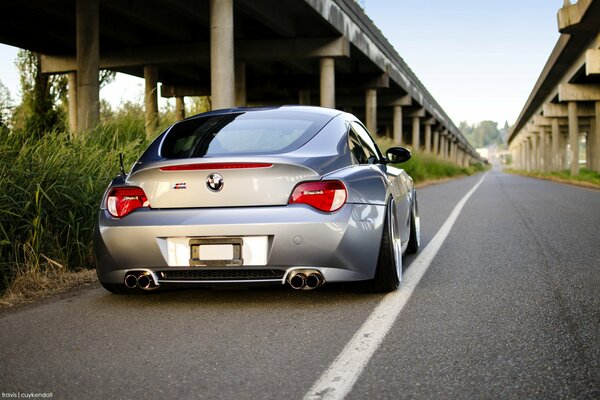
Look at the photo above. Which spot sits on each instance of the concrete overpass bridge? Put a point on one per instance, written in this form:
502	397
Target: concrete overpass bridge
562	113
241	53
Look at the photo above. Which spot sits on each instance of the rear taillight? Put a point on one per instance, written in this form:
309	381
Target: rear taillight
326	196
123	200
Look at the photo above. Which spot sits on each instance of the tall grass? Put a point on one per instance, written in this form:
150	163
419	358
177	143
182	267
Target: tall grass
51	188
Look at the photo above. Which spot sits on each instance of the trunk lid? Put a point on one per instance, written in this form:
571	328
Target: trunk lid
201	183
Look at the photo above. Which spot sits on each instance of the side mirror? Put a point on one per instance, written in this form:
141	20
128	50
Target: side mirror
397	155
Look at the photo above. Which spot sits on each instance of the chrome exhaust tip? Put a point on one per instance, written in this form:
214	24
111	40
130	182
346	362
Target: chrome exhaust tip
144	282
314	280
131	281
297	281
305	279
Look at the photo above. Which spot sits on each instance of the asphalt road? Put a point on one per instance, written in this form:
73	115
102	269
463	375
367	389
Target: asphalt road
509	308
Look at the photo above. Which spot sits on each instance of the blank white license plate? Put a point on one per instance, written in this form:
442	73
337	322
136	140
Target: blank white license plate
215	252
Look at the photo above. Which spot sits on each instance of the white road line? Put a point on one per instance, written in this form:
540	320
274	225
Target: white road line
342	374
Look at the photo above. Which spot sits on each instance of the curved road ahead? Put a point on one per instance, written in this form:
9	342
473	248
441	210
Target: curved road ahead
509	307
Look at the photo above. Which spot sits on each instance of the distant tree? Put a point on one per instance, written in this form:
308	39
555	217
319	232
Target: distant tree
44	103
504	132
483	134
37	113
5	108
488	133
468	132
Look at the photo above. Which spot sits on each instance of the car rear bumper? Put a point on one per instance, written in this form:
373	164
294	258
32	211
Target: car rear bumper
343	246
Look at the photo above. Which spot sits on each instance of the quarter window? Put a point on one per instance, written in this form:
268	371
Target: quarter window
356	148
362	146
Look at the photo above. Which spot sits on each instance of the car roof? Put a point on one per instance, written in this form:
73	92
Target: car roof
296	108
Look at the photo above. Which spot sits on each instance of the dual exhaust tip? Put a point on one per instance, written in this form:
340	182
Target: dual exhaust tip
305	279
141	280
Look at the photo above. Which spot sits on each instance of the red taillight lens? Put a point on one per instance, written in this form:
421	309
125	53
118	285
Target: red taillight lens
326	196
123	200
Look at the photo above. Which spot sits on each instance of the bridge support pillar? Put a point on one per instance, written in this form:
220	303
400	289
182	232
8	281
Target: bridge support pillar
535	152
179	108
72	98
436	142
455	152
443	145
398	125
428	137
304	97
416	133
594	141
328	82
526	154
371	110
447	146
151	100
240	84
455	156
88	63
555	163
574	137
564	154
222	70
527	161
542	150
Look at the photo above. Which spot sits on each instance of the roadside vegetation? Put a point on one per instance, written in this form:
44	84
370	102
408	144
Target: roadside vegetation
586	178
51	190
425	168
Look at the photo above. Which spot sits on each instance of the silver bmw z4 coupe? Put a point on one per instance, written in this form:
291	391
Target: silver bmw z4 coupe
289	195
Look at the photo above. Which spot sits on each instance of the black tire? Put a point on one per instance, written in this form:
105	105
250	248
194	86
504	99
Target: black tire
387	279
414	240
116	288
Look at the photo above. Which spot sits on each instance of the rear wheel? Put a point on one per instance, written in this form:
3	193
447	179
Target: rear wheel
389	265
414	240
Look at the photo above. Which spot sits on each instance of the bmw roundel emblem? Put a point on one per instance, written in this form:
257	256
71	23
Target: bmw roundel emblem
214	182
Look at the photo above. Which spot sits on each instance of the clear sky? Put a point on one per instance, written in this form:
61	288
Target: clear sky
478	58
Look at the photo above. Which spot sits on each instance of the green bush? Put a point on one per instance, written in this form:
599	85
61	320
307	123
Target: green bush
424	167
51	188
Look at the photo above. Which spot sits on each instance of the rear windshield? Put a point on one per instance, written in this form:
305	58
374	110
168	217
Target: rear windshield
256	132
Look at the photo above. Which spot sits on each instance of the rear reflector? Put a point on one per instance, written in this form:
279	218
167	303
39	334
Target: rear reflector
328	196
123	200
212	166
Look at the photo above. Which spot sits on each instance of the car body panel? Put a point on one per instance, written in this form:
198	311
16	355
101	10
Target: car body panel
299	236
241	187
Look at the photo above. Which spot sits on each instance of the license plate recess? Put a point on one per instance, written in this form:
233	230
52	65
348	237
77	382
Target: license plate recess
216	252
